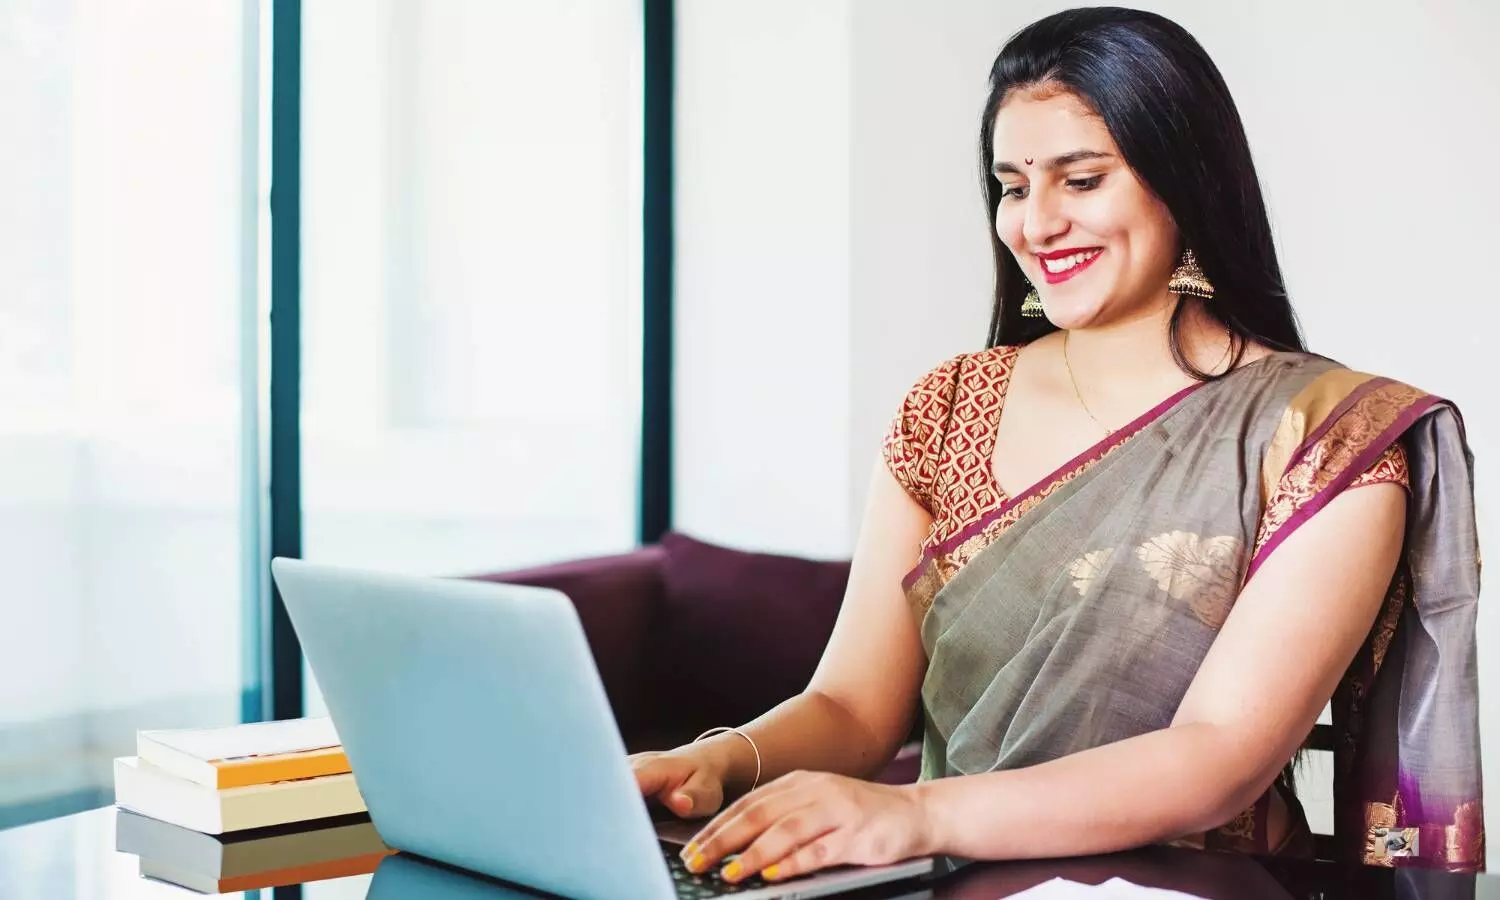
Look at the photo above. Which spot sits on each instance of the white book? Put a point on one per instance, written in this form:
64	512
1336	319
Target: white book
143	788
250	753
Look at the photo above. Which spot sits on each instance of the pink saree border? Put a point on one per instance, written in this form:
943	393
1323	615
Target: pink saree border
1361	461
1050	482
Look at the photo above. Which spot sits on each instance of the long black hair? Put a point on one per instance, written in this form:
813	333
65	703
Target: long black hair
1169	111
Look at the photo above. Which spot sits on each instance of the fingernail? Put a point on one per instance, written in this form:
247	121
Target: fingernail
732	871
772	872
697	863
683	798
691	850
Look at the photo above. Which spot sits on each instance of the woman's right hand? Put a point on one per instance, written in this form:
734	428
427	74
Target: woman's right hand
682	780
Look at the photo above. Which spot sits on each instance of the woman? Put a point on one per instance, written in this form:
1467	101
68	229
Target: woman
1154	536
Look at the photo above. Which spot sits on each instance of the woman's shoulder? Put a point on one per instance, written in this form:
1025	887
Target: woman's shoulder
913	443
1328	417
929	401
988	364
1310	381
974	376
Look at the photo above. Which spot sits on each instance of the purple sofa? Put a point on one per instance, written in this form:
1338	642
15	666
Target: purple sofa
688	635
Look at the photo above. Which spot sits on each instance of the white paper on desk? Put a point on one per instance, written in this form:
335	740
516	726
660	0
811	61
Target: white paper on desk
1113	889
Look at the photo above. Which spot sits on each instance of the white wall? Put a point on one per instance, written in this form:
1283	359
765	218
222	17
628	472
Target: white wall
1362	160
1368	122
763	364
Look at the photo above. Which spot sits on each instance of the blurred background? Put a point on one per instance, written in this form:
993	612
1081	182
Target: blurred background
470	333
475	312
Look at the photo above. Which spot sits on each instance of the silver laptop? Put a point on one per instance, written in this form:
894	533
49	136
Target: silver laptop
403	877
480	736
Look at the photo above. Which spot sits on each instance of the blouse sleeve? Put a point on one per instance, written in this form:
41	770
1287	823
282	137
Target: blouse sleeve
1295	490
914	440
1390	468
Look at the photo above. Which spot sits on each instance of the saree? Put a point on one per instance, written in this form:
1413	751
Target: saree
1076	613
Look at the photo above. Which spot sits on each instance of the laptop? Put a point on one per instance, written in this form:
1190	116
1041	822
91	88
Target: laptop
403	877
480	735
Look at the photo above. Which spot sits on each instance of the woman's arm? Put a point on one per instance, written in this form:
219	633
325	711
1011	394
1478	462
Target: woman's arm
1289	639
859	706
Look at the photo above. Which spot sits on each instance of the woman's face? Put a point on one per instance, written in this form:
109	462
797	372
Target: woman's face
1098	246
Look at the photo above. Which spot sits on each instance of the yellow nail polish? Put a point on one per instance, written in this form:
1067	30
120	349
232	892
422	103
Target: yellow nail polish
732	871
691	850
772	872
697	863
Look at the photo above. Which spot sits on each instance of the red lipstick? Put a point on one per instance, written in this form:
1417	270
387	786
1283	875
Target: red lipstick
1089	254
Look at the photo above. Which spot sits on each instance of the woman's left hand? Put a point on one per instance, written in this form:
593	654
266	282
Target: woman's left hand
812	820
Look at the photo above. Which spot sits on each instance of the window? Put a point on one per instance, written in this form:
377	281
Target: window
128	483
471	282
471	276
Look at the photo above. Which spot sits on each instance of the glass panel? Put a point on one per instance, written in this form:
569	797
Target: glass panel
471	182
471	272
124	494
74	858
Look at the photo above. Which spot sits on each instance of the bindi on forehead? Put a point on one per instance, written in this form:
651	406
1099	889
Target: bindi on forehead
1036	130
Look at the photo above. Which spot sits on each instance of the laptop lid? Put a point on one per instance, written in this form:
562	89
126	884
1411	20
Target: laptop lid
477	727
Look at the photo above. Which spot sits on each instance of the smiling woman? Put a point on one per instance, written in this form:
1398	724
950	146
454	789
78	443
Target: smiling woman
1091	119
1122	621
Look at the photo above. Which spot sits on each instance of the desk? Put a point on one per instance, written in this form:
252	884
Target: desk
74	858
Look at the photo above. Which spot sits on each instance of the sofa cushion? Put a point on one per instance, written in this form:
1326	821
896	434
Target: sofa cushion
737	632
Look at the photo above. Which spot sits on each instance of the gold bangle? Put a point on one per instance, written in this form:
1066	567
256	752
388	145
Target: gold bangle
753	748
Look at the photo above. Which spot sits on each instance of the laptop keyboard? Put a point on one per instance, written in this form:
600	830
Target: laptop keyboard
707	885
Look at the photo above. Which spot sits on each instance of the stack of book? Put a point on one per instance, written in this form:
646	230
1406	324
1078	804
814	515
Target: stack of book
231	806
250	860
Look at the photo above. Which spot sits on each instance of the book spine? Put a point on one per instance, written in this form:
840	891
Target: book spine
285	802
283	767
338	868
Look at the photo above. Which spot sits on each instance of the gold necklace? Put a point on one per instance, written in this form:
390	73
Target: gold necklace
1107	430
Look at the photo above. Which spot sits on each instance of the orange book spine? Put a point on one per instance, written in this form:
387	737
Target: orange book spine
282	767
322	871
